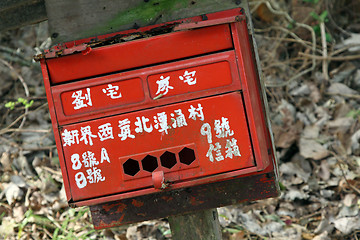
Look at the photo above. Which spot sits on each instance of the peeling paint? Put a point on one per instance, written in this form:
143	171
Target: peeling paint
167	198
107	207
137	203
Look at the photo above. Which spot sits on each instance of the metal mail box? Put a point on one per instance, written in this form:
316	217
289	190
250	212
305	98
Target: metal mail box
156	116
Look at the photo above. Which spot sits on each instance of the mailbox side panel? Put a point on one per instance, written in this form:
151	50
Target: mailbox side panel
252	95
55	128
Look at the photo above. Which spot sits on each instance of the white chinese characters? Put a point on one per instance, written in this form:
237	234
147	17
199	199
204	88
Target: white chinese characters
112	91
128	129
196	112
96	136
88	169
125	131
142	125
179	120
105	132
163	85
86	135
222	130
94	96
81	100
70	137
188	77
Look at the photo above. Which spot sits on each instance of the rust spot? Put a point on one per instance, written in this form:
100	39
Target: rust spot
266	179
137	203
220	189
103	224
107	207
121	208
121	218
195	202
167	198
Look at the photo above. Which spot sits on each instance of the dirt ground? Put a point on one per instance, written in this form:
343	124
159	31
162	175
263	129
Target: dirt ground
310	57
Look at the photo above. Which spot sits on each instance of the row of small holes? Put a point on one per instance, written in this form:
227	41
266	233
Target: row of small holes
167	160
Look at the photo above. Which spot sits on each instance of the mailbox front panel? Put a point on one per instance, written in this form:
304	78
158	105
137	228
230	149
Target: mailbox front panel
186	140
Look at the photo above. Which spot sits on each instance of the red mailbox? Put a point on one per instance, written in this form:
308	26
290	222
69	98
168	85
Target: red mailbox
170	121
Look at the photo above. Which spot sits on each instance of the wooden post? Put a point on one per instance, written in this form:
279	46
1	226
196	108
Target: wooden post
76	19
18	13
202	225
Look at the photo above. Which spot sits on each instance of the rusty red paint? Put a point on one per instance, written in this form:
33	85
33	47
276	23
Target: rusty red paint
195	202
110	206
163	204
199	24
167	198
161	121
120	208
86	51
137	203
102	224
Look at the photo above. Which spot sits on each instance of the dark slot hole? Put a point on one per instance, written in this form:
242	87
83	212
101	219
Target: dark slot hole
149	163
131	167
187	156
168	159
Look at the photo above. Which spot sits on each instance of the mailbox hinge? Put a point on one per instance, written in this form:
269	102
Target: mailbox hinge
206	23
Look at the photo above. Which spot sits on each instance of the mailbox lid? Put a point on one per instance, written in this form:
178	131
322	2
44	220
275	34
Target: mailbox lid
139	53
189	140
145	88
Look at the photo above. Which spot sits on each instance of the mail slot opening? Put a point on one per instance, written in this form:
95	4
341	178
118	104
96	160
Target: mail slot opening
168	159
131	167
187	156
149	163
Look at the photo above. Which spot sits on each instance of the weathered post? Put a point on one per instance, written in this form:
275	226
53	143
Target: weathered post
198	225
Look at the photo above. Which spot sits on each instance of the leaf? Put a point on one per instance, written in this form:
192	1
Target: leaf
310	148
315	16
350	200
354	113
13	193
232	230
7	226
10	105
328	37
340	88
347	224
323	236
6	161
354	39
323	16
